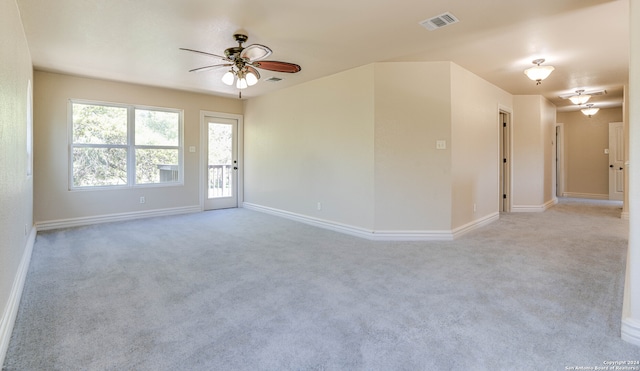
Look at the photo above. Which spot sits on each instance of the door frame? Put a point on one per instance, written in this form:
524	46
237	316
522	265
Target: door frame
560	161
203	159
505	173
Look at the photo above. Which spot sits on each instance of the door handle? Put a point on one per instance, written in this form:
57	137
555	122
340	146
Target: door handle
235	168
620	168
611	166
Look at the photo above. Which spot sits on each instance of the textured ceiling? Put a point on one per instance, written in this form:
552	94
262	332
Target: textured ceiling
137	41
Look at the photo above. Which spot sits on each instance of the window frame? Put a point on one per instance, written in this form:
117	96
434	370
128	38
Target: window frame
130	146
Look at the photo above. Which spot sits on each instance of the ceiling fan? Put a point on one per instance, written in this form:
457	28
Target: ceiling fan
243	63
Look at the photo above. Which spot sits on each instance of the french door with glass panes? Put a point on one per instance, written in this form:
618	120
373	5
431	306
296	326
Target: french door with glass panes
221	163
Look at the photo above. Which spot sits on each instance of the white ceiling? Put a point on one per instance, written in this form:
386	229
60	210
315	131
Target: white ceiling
137	41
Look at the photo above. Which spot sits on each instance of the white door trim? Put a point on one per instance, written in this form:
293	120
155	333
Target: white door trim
203	154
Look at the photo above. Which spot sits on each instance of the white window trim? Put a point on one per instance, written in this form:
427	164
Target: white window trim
130	146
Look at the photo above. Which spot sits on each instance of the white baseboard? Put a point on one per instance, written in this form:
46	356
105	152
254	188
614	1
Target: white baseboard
11	309
457	232
321	223
380	235
591	196
77	222
411	236
630	331
533	208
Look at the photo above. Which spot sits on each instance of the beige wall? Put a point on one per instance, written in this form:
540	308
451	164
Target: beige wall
586	138
548	116
314	143
16	188
412	178
475	145
625	116
631	307
534	121
54	201
374	135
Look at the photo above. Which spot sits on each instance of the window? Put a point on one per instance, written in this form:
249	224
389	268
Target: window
119	145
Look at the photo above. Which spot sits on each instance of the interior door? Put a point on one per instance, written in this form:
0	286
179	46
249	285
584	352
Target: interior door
616	161
221	165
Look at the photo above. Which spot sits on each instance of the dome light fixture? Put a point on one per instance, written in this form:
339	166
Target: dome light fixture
538	72
580	98
590	110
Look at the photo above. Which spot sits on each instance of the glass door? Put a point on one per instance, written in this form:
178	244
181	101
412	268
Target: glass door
221	187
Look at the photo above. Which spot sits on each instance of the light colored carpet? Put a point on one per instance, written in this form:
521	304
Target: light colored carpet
240	290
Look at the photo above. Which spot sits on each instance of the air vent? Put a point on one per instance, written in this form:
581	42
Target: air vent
273	79
440	21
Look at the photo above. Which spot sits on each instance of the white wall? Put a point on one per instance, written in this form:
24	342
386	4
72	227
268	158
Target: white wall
16	188
475	126
54	201
314	143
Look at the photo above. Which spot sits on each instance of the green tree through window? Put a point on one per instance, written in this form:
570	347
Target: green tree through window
103	153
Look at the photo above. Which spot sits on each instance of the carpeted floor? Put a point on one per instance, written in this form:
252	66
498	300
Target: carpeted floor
240	290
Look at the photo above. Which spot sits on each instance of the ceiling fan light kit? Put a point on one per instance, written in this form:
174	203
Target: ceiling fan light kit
243	62
538	72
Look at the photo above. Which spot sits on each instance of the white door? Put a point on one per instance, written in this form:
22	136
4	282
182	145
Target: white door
616	161
221	165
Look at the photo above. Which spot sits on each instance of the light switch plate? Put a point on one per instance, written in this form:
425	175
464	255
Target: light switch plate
606	151
192	149
441	144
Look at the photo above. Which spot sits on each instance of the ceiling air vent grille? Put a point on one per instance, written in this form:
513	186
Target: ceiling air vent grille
273	79
440	21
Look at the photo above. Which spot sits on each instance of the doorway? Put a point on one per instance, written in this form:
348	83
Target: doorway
505	161
220	172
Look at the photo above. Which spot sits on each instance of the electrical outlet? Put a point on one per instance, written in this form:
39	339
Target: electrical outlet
142	200
441	144
475	208
319	206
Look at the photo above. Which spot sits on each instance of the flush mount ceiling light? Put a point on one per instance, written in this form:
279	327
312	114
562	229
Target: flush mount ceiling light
538	73
590	110
580	98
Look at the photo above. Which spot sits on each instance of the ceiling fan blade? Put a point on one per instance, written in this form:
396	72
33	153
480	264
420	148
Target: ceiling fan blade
205	53
254	71
278	66
255	52
207	68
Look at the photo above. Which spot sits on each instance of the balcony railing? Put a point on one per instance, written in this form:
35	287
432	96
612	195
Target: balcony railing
220	181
